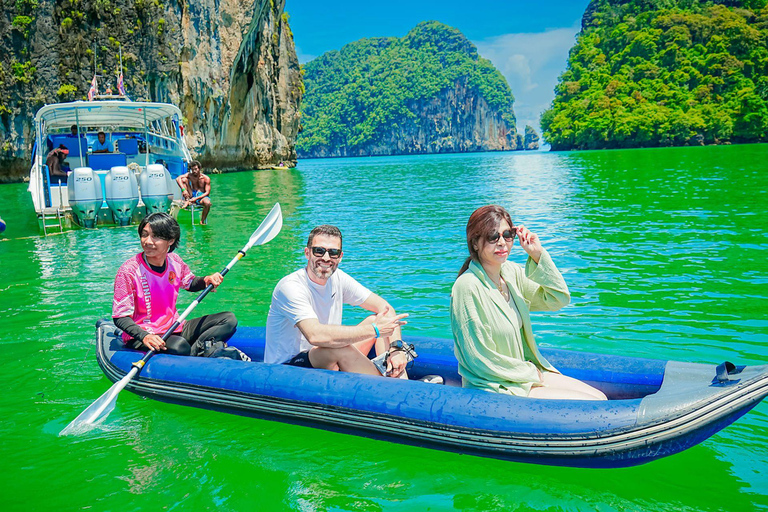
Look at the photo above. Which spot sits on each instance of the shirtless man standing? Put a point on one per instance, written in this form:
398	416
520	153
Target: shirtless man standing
196	188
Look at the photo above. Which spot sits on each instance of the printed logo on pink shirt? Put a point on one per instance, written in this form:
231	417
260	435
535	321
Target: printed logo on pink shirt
171	276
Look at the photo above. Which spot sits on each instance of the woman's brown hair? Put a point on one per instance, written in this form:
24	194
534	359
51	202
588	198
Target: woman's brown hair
483	222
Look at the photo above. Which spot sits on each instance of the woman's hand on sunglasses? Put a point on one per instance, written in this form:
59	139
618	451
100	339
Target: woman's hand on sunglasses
530	243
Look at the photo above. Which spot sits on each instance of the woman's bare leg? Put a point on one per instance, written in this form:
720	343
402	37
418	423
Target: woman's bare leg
562	387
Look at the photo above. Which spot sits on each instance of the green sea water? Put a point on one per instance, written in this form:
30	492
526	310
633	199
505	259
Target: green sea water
665	252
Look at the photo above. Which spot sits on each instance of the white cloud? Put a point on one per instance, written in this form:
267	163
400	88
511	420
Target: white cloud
531	63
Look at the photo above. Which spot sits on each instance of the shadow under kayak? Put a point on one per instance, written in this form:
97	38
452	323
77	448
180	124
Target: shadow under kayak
655	408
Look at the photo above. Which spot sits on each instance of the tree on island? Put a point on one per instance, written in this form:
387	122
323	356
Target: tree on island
647	73
427	92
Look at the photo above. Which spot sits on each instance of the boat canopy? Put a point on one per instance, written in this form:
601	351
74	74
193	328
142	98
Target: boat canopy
127	114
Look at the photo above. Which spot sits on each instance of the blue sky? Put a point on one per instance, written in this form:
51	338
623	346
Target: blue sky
527	41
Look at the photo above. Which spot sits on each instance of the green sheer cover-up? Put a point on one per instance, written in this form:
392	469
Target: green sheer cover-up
494	351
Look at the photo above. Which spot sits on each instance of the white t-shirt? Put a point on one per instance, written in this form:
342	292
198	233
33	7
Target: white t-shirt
297	298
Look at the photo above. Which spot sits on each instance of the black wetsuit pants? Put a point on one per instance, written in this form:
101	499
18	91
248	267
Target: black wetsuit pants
199	335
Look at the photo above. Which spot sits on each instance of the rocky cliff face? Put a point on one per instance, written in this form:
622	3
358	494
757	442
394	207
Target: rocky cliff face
456	120
427	92
243	87
531	139
229	65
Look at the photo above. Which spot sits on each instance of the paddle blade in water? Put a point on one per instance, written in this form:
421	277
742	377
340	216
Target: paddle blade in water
98	410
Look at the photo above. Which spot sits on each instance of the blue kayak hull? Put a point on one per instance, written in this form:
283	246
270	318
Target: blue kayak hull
656	408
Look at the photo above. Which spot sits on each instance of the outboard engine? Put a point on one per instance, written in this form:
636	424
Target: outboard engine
156	191
85	198
122	191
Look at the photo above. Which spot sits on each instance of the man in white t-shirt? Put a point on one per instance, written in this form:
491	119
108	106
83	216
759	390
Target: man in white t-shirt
304	322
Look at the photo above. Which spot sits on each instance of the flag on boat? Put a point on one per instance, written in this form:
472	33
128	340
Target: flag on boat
94	90
120	85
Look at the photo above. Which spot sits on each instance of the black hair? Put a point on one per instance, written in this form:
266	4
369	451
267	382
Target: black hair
324	229
163	226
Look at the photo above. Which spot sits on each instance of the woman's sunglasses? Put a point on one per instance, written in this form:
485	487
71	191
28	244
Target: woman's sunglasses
320	251
509	236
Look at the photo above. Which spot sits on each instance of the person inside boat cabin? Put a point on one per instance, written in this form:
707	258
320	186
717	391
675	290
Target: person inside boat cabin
196	189
146	289
57	168
101	145
491	302
304	321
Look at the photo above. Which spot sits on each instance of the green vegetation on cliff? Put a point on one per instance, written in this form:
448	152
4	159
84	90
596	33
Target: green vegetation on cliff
48	53
71	30
664	72
230	67
363	92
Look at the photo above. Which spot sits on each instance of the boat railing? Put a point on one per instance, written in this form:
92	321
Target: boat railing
163	141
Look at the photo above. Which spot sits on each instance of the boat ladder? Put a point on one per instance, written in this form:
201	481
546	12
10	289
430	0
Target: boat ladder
52	221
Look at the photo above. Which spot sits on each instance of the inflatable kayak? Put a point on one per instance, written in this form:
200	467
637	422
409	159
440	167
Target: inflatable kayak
655	408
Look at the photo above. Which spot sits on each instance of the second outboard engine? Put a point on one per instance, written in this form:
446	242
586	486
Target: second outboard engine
155	189
85	198
122	191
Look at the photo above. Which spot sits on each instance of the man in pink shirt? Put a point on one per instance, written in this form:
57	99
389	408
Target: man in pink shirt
146	289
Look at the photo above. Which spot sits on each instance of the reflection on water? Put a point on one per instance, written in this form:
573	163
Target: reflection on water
664	252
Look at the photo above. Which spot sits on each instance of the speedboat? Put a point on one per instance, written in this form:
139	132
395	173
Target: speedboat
114	186
656	408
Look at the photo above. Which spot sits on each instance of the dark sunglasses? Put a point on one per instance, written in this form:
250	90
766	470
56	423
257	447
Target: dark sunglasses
320	251
509	235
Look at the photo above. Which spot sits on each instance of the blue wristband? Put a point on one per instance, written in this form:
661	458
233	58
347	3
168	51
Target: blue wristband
376	329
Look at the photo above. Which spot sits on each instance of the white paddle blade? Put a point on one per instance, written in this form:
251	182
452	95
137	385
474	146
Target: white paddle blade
98	410
268	229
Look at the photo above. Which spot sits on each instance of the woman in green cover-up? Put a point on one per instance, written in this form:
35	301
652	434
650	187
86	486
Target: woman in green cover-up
490	305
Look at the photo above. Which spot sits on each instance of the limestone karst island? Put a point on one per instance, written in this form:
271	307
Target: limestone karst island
642	73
